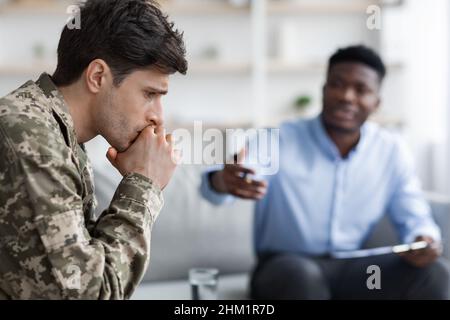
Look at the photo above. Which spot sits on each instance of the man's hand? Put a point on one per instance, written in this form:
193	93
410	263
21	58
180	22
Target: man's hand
151	155
233	180
423	257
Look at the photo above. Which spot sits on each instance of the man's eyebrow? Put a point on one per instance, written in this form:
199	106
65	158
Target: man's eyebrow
156	90
336	77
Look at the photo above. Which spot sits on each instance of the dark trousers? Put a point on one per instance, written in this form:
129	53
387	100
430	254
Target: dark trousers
292	276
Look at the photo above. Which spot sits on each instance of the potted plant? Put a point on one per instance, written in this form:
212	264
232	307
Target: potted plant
302	103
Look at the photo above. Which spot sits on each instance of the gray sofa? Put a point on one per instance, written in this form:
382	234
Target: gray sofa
190	232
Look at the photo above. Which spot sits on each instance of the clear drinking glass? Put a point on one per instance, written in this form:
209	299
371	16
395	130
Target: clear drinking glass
204	283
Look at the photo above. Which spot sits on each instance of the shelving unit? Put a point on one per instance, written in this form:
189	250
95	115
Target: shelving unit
258	69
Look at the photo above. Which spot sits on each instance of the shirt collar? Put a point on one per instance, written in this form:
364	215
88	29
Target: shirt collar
58	105
327	145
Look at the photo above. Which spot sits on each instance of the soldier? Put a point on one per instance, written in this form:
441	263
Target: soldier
110	77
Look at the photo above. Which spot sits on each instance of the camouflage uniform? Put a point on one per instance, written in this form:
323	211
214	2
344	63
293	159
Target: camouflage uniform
51	247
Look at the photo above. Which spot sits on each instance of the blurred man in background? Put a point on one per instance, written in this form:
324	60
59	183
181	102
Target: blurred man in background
109	81
338	175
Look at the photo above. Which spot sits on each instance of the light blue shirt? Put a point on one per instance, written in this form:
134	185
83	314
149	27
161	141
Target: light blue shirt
319	202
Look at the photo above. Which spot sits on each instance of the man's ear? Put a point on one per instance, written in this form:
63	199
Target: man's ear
96	75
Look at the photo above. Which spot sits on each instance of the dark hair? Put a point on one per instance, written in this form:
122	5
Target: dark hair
127	34
359	54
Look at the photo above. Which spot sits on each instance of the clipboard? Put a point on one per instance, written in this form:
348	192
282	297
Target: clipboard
418	245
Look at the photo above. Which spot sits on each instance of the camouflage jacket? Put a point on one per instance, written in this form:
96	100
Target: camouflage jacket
51	245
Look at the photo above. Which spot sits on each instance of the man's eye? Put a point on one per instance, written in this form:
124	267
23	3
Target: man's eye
150	96
362	90
336	84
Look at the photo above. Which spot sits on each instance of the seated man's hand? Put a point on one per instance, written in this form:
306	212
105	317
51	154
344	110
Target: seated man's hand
233	179
151	155
423	257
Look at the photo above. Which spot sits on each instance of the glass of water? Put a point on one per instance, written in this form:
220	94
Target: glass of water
203	283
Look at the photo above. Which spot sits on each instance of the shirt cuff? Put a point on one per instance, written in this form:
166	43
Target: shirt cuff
140	189
210	194
429	231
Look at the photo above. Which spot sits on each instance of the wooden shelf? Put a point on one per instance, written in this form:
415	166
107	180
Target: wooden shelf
204	68
310	7
196	7
199	7
274	67
203	7
218	67
195	68
36	7
16	70
282	67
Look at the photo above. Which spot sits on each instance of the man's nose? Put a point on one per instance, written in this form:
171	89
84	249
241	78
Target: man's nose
349	94
155	117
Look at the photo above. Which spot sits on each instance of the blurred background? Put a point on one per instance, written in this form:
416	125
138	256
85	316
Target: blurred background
259	62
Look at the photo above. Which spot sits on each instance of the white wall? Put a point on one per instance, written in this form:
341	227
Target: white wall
417	35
